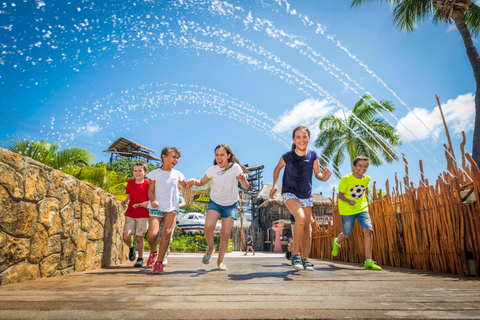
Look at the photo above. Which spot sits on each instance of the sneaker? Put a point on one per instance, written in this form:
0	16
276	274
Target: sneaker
307	265
297	262
152	259
158	268
335	247
165	261
132	254
371	265
288	255
139	263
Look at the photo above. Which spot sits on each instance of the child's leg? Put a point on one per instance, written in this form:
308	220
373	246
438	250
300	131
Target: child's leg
306	241
127	239
140	246
153	227
227	225
128	231
210	223
296	209
168	224
368	240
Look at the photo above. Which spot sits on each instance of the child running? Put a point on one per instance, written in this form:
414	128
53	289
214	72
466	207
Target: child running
225	174
300	165
353	205
163	194
136	216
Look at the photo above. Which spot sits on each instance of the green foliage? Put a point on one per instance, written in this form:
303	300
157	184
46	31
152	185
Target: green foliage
192	207
50	154
123	166
339	137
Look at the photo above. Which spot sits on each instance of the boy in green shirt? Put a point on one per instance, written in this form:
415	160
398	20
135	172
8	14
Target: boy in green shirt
353	205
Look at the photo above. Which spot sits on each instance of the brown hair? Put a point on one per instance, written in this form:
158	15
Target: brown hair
360	158
295	130
140	164
231	160
166	151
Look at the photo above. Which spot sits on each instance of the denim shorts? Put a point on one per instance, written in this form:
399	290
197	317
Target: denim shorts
306	203
348	222
224	211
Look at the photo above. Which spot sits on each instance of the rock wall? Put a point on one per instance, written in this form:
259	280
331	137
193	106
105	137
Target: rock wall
53	224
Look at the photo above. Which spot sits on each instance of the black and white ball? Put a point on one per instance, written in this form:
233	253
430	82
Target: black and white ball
357	191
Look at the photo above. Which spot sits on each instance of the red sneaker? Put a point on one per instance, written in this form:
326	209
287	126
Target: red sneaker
152	259
158	268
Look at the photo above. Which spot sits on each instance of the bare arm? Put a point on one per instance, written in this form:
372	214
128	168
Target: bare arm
276	175
326	173
201	182
242	178
124	202
341	196
151	194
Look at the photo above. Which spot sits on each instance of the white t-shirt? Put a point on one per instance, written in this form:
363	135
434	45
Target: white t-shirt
224	184
166	189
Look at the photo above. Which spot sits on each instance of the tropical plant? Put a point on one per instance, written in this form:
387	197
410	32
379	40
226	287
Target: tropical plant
99	176
348	135
50	154
466	15
124	166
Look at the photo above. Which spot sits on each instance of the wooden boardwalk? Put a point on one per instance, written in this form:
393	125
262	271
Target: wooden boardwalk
263	286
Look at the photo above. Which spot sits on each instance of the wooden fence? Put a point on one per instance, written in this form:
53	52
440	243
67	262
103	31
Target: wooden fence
428	228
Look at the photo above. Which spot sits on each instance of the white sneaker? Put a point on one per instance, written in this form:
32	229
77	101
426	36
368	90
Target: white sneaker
165	261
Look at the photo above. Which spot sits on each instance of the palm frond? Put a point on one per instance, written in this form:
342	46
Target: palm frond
472	20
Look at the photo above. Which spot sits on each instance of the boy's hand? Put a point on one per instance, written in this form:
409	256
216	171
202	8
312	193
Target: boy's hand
136	205
351	202
155	204
273	192
124	202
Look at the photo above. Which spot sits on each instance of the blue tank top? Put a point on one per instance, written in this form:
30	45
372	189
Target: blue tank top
297	177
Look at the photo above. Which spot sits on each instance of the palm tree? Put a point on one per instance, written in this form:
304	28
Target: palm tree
50	153
348	135
466	15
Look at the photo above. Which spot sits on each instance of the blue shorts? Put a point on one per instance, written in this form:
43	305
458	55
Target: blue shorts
348	222
308	203
224	211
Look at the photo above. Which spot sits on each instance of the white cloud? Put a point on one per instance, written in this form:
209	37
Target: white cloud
307	113
92	128
459	114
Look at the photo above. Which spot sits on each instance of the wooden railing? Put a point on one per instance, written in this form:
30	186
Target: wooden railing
428	228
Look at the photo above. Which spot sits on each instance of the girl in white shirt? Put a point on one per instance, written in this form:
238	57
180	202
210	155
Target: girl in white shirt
225	174
163	194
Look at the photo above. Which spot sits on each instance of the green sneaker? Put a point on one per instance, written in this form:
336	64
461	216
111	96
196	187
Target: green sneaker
335	247
371	265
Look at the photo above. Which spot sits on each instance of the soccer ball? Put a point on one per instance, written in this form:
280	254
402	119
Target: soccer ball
357	191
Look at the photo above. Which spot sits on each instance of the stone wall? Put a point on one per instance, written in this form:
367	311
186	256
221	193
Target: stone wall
53	224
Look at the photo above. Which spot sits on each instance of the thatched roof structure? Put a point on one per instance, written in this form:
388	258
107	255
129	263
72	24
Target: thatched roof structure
127	148
264	200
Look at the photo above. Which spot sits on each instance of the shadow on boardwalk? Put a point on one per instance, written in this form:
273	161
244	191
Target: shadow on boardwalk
264	286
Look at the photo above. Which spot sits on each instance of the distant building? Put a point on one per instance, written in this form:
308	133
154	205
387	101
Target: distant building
127	148
274	211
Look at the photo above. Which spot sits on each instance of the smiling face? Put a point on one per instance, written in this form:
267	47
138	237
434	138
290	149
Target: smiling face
170	160
138	173
360	168
301	139
221	157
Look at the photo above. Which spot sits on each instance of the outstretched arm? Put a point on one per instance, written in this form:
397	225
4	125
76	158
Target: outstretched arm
326	173
242	178
276	175
199	182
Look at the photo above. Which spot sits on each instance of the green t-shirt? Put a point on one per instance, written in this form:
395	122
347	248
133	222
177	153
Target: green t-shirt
353	189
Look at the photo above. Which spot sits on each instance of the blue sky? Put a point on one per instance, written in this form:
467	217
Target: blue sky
195	74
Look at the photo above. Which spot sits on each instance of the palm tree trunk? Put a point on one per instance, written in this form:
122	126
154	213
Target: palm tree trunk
474	58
